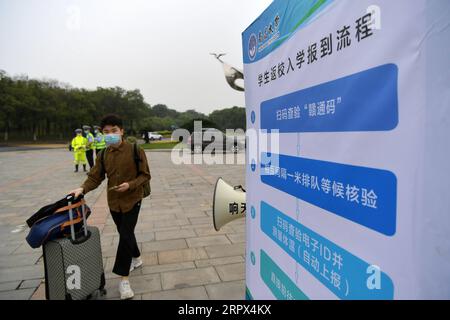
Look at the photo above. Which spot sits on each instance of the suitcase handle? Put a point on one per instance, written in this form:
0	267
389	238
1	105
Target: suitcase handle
81	239
83	213
71	198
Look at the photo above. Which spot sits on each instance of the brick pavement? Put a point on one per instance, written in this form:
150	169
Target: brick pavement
184	257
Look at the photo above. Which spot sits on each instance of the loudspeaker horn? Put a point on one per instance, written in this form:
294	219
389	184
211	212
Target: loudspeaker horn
228	203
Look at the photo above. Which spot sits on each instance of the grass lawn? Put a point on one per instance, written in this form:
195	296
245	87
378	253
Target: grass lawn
158	145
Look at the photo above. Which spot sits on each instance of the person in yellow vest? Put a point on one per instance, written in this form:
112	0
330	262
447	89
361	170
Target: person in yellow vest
79	144
90	145
99	142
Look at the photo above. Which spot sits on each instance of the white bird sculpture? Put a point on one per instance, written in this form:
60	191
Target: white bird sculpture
231	74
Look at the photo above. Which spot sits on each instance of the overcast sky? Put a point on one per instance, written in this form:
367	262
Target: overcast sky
158	46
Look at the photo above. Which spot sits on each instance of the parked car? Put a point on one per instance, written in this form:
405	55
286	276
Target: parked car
207	138
152	136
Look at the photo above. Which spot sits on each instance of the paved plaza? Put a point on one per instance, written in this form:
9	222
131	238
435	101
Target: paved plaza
184	257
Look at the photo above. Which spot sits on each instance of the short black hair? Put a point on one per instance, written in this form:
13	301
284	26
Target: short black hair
111	120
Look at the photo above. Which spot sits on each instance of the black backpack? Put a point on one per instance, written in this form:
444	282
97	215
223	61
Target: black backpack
137	159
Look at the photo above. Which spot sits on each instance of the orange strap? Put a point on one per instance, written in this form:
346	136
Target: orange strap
73	206
69	223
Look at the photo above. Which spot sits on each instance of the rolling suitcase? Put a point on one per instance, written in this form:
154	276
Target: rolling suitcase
74	265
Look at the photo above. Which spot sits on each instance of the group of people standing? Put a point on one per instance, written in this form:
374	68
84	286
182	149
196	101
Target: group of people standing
85	144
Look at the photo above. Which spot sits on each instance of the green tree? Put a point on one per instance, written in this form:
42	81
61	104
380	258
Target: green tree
231	118
47	109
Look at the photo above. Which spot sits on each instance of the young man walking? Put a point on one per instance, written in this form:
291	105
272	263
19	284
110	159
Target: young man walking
125	193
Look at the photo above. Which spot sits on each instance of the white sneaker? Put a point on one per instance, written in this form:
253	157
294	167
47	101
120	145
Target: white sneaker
125	290
135	263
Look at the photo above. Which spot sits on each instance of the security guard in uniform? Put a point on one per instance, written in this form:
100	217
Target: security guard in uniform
99	142
79	149
90	145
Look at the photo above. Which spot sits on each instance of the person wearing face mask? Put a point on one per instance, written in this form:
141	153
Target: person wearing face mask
90	145
79	149
99	142
126	179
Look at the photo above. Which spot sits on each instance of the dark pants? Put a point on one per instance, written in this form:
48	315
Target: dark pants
128	248
90	157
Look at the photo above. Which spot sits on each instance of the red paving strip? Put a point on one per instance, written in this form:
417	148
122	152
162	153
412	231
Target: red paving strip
100	211
39	294
99	215
210	179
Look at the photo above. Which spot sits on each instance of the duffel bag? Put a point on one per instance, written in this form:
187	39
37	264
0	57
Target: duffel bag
57	225
48	210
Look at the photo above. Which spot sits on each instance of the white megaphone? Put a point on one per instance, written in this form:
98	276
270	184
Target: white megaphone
228	203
